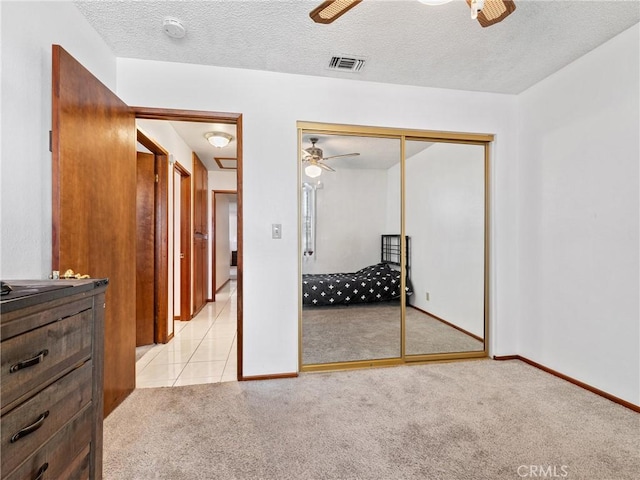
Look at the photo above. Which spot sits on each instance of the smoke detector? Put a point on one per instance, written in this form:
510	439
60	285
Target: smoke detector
173	27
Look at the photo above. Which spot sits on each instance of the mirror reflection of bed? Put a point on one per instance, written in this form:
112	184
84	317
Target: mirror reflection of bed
351	287
355	315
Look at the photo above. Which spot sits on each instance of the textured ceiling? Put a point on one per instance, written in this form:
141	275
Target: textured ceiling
403	41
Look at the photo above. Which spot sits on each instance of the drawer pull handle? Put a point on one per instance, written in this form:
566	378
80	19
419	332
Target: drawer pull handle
29	362
30	428
41	471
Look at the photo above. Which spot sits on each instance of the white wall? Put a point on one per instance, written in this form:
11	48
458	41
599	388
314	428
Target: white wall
578	214
221	180
444	197
233	225
271	103
350	217
28	31
163	133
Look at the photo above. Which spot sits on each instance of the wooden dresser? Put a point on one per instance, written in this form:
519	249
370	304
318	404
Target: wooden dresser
51	379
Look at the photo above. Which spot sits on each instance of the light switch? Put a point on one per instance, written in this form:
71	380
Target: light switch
276	230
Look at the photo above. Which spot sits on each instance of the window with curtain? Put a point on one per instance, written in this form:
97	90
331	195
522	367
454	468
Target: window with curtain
308	220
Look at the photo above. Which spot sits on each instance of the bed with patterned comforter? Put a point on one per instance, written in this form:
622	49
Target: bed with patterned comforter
375	283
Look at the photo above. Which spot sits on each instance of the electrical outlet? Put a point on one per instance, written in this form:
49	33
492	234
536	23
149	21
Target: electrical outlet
276	230
427	295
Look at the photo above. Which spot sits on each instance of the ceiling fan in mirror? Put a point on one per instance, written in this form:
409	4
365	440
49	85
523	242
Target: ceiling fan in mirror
487	12
314	160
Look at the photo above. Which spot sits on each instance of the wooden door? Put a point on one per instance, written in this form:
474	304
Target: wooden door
200	235
145	249
94	206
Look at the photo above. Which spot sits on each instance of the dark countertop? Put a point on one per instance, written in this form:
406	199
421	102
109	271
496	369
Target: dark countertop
30	292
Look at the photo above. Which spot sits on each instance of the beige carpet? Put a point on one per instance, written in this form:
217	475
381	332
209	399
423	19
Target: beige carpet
372	331
471	420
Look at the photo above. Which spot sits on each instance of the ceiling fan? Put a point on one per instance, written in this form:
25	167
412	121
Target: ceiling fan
313	157
487	12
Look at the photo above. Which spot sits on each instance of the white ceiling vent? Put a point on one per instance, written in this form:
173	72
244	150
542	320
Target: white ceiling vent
346	63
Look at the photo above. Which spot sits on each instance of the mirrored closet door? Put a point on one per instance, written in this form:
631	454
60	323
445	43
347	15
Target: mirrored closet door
445	219
350	190
393	245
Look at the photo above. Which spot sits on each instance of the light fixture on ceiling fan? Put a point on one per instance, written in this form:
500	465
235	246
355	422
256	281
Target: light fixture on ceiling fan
487	12
218	139
312	170
434	2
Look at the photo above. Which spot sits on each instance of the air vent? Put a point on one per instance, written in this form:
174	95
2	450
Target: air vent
346	64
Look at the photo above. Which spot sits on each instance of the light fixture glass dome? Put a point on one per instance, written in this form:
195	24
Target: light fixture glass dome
218	139
312	170
434	2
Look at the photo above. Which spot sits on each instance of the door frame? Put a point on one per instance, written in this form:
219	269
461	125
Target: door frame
161	247
214	290
150	113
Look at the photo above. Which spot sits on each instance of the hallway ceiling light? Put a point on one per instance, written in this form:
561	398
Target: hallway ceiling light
218	139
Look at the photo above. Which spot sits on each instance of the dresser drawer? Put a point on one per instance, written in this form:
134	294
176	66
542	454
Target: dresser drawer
62	457
28	426
42	355
79	468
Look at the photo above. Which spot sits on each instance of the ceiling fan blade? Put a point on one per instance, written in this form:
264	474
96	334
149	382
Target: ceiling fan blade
325	167
494	11
330	10
343	155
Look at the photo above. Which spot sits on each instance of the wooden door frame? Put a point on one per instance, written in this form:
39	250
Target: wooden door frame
215	117
185	239
161	245
214	290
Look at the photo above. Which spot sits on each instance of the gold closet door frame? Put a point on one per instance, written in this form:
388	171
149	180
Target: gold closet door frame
404	135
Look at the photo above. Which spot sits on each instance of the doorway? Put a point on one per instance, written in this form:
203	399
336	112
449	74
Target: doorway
185	295
202	345
224	219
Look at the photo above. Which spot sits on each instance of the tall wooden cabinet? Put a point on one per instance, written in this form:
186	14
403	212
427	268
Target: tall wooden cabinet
52	379
200	234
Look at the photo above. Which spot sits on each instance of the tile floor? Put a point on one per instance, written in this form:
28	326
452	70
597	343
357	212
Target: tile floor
202	350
